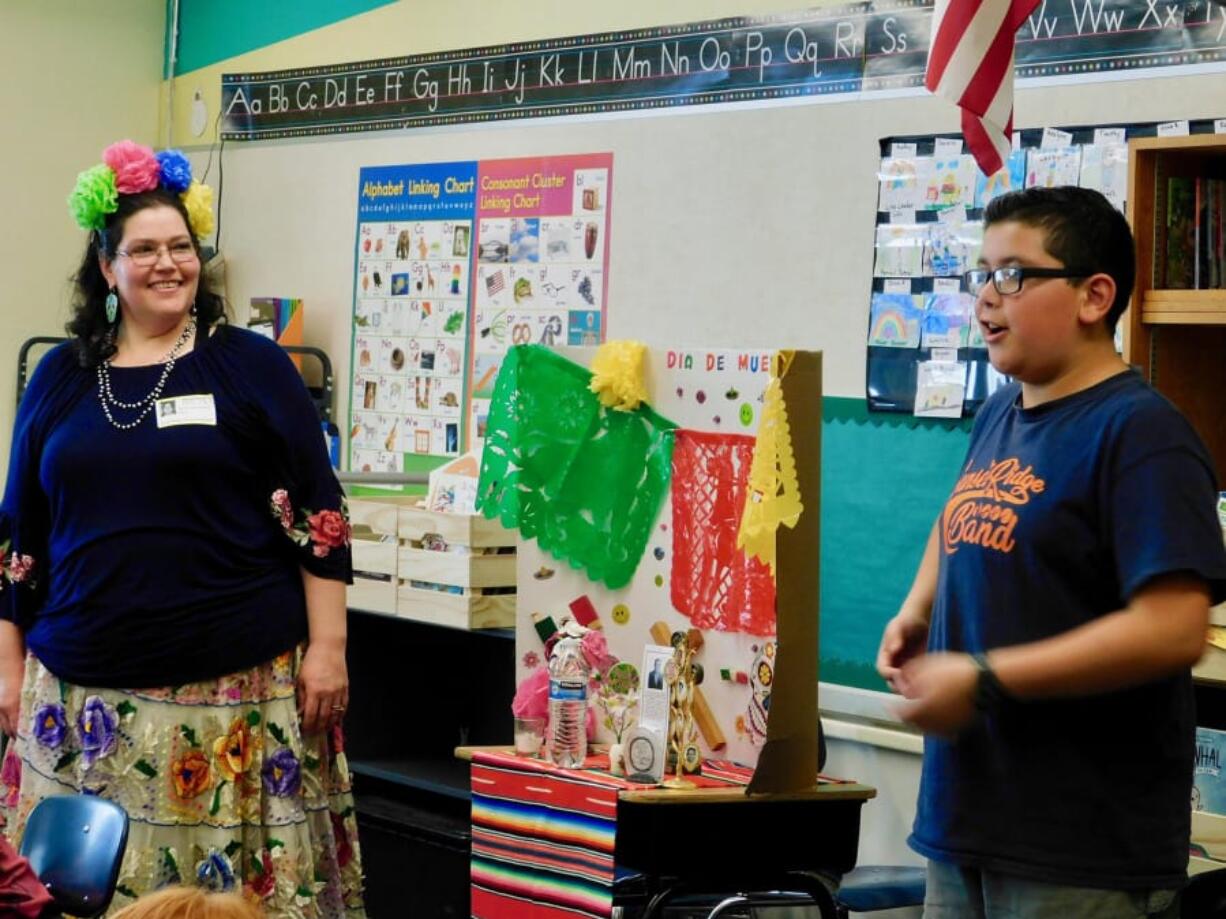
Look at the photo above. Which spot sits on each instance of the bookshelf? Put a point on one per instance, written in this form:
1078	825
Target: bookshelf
1176	337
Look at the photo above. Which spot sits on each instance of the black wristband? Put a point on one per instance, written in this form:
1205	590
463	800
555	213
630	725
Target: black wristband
989	693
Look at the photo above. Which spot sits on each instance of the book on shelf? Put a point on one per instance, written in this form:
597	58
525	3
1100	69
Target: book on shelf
1180	232
1195	248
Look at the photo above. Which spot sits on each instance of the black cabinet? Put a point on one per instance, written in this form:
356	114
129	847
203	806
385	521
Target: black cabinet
417	691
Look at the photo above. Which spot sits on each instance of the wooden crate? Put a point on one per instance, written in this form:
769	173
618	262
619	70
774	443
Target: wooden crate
375	525
461	577
1209	836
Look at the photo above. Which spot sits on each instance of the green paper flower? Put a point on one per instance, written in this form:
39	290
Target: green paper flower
94	197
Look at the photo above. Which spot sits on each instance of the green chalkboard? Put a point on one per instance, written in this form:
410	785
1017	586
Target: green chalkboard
884	480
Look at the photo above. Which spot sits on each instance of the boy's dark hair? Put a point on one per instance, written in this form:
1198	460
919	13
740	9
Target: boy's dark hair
1080	227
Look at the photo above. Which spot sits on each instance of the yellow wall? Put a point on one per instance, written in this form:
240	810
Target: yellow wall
424	26
78	75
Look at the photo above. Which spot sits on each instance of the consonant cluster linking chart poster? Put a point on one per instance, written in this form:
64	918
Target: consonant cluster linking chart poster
542	258
454	263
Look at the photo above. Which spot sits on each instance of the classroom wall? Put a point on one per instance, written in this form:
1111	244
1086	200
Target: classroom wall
78	76
732	227
786	191
365	30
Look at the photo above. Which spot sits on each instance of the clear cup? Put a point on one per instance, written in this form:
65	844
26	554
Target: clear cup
529	736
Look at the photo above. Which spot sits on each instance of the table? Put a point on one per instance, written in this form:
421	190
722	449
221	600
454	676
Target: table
549	843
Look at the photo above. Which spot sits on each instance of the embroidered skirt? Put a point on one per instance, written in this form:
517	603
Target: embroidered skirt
222	787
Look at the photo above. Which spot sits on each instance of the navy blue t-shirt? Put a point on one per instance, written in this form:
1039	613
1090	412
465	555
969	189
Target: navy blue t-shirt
155	555
1060	514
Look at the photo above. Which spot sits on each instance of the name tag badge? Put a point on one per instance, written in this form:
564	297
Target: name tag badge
186	410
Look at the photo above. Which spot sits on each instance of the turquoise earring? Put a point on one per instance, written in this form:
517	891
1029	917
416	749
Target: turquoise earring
112	306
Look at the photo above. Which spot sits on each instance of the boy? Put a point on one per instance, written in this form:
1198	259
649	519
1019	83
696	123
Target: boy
1062	597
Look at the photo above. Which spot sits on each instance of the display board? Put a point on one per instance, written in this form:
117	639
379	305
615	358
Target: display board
691	574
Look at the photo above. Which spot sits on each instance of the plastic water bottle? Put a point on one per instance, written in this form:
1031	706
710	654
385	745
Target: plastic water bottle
568	674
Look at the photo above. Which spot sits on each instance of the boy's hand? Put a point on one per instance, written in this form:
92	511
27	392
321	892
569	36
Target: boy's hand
940	689
905	637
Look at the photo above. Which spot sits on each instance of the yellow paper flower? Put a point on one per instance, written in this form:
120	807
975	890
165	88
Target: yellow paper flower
198	199
617	374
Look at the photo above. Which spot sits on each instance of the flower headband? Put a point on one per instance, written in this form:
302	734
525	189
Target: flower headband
129	168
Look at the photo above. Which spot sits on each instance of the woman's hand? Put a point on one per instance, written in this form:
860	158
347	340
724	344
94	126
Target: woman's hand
12	673
323	686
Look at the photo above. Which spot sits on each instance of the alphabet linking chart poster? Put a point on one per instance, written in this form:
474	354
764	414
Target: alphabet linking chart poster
453	263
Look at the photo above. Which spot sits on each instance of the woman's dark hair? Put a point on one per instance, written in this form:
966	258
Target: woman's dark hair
88	326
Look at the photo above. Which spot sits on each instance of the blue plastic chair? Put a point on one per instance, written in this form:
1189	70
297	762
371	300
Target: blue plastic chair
75	844
869	888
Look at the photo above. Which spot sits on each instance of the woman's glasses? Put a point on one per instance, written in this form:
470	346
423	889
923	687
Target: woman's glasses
146	254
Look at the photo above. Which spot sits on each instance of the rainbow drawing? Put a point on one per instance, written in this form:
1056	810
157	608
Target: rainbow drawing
894	321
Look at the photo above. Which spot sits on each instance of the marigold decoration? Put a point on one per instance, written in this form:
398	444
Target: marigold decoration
129	168
617	375
774	495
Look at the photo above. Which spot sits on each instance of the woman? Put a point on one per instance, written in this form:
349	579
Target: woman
174	552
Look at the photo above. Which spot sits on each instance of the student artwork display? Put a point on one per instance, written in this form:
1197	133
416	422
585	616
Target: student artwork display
705	409
929	232
453	262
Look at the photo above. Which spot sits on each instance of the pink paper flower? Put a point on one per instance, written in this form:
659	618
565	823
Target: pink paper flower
532	696
135	166
596	651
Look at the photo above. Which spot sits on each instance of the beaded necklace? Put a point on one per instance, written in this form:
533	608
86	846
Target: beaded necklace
107	397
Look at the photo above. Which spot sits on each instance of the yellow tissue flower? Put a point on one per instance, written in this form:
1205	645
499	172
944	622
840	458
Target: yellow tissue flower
617	374
198	199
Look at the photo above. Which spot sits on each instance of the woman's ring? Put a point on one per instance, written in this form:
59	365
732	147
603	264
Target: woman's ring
338	708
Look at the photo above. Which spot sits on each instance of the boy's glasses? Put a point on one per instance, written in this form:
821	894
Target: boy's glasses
146	254
1008	280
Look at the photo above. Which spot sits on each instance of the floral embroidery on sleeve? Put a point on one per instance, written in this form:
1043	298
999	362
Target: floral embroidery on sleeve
322	530
14	567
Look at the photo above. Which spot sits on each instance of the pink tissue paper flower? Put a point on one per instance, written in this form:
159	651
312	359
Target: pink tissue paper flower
532	700
532	696
596	651
136	168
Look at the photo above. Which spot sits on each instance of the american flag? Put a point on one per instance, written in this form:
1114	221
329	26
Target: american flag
970	62
494	282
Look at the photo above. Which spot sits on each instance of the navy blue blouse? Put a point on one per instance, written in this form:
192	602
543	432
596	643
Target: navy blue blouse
163	555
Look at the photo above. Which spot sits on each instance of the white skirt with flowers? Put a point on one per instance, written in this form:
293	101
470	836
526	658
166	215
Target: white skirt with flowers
222	788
